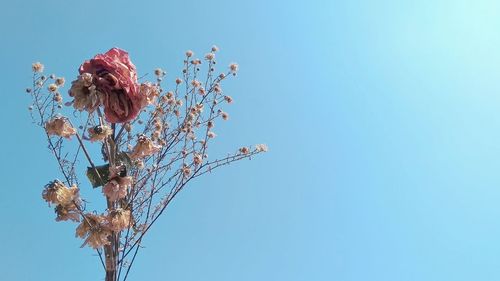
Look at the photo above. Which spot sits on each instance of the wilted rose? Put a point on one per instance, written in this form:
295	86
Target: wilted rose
115	77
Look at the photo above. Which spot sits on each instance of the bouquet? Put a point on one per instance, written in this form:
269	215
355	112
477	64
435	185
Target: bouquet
140	145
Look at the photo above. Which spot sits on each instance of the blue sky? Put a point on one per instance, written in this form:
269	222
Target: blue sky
382	119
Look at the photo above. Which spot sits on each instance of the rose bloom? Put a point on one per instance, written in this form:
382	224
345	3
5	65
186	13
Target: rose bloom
115	76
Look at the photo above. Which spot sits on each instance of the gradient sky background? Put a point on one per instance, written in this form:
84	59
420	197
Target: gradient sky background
382	119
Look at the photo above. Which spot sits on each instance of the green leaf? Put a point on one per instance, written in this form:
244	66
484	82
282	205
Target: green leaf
98	179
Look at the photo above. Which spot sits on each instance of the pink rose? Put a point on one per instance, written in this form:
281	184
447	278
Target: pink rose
115	76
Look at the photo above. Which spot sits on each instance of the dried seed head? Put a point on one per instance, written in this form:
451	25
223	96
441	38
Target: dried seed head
210	56
159	72
228	99
261	147
37	67
60	81
52	88
234	68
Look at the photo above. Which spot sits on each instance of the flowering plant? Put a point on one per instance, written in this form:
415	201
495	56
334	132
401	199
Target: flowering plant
151	143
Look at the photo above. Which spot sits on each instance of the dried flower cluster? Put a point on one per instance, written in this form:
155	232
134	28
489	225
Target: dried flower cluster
153	142
66	199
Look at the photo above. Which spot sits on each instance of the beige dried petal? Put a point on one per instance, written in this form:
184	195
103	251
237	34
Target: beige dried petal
94	231
119	219
149	94
84	93
99	133
144	147
57	193
59	126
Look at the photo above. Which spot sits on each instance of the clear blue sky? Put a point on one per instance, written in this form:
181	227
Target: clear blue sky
382	118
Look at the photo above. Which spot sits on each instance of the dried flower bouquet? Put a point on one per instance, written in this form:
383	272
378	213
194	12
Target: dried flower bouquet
150	144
